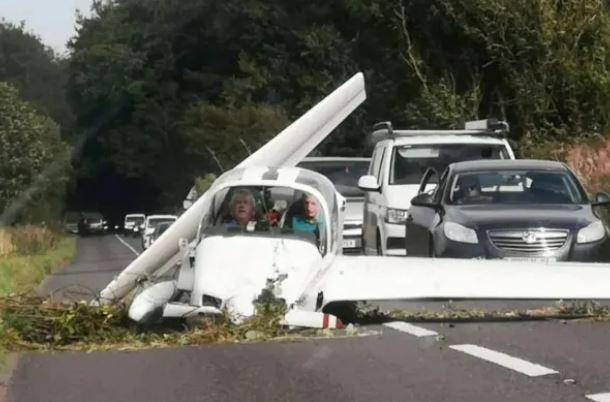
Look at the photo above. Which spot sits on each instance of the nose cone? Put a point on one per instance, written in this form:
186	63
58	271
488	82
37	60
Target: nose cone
148	305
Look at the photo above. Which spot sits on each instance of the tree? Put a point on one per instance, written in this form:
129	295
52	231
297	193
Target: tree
34	162
36	72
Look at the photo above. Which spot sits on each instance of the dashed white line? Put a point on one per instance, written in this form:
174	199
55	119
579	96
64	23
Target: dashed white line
504	360
410	329
605	397
126	244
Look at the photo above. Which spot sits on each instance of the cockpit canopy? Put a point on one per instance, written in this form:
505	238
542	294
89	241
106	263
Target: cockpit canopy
304	208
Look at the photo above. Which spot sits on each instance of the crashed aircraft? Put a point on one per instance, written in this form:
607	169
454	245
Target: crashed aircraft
247	233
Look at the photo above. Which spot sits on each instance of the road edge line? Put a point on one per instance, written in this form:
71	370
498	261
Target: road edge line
124	243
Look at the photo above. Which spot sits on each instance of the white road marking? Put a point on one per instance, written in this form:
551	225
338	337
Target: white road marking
599	397
410	329
504	360
126	244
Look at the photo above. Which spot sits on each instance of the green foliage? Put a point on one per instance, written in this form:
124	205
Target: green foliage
36	72
21	272
34	162
231	133
202	184
33	323
161	85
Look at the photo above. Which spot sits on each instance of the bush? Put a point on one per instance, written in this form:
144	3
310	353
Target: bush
27	239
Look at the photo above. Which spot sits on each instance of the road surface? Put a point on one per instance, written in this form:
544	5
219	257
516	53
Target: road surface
516	361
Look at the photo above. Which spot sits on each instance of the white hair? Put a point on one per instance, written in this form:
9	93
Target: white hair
242	193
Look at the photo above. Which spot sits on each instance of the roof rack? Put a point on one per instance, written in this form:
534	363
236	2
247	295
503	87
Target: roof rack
493	127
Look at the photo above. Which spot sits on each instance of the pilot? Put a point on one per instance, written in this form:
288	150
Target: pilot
243	209
308	220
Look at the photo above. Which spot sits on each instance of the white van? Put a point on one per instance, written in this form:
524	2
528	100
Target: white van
399	160
151	222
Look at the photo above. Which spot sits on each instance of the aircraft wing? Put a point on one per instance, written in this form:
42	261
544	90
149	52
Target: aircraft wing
285	149
398	278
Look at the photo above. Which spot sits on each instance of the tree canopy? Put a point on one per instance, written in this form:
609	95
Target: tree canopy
34	162
166	91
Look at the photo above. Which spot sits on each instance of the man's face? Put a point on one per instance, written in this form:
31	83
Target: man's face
243	210
310	207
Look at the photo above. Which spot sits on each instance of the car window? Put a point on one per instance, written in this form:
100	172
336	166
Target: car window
438	191
344	174
515	187
410	162
376	163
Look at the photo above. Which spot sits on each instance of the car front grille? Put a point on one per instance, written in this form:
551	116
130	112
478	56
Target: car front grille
529	241
352	226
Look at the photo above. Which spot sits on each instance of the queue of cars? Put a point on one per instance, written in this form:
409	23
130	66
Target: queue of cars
85	223
461	193
149	228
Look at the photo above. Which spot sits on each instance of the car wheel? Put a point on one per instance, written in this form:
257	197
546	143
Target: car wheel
379	248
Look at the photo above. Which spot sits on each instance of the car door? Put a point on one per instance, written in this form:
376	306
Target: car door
423	219
373	201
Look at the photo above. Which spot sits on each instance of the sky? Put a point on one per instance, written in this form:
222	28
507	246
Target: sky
52	20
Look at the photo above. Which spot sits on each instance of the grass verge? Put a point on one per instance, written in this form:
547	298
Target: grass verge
22	273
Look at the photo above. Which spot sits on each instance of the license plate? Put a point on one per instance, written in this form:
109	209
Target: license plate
349	243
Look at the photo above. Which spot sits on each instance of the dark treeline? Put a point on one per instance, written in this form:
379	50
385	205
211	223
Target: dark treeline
157	86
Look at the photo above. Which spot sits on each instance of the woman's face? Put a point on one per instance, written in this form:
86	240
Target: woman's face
243	210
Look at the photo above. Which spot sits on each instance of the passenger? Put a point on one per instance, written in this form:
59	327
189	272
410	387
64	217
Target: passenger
243	209
308	220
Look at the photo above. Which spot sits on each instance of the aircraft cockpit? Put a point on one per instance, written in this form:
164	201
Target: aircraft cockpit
273	211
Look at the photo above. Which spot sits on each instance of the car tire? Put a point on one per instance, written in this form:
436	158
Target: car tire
378	243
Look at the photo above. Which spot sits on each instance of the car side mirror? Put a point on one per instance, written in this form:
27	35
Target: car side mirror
368	183
601	198
424	200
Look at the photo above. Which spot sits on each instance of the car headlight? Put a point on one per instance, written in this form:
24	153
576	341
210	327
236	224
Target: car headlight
459	233
396	215
592	233
149	231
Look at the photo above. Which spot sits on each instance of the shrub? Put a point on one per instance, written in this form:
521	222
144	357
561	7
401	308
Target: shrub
27	239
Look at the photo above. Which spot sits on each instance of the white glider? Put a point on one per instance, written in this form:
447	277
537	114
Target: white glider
221	268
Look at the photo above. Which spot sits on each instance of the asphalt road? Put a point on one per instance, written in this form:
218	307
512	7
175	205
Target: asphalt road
516	361
98	260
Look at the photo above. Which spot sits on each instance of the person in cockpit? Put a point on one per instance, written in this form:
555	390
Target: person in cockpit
243	209
308	220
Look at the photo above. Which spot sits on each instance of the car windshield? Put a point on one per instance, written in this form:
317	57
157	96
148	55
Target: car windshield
516	187
157	221
162	227
343	173
410	162
92	216
137	220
